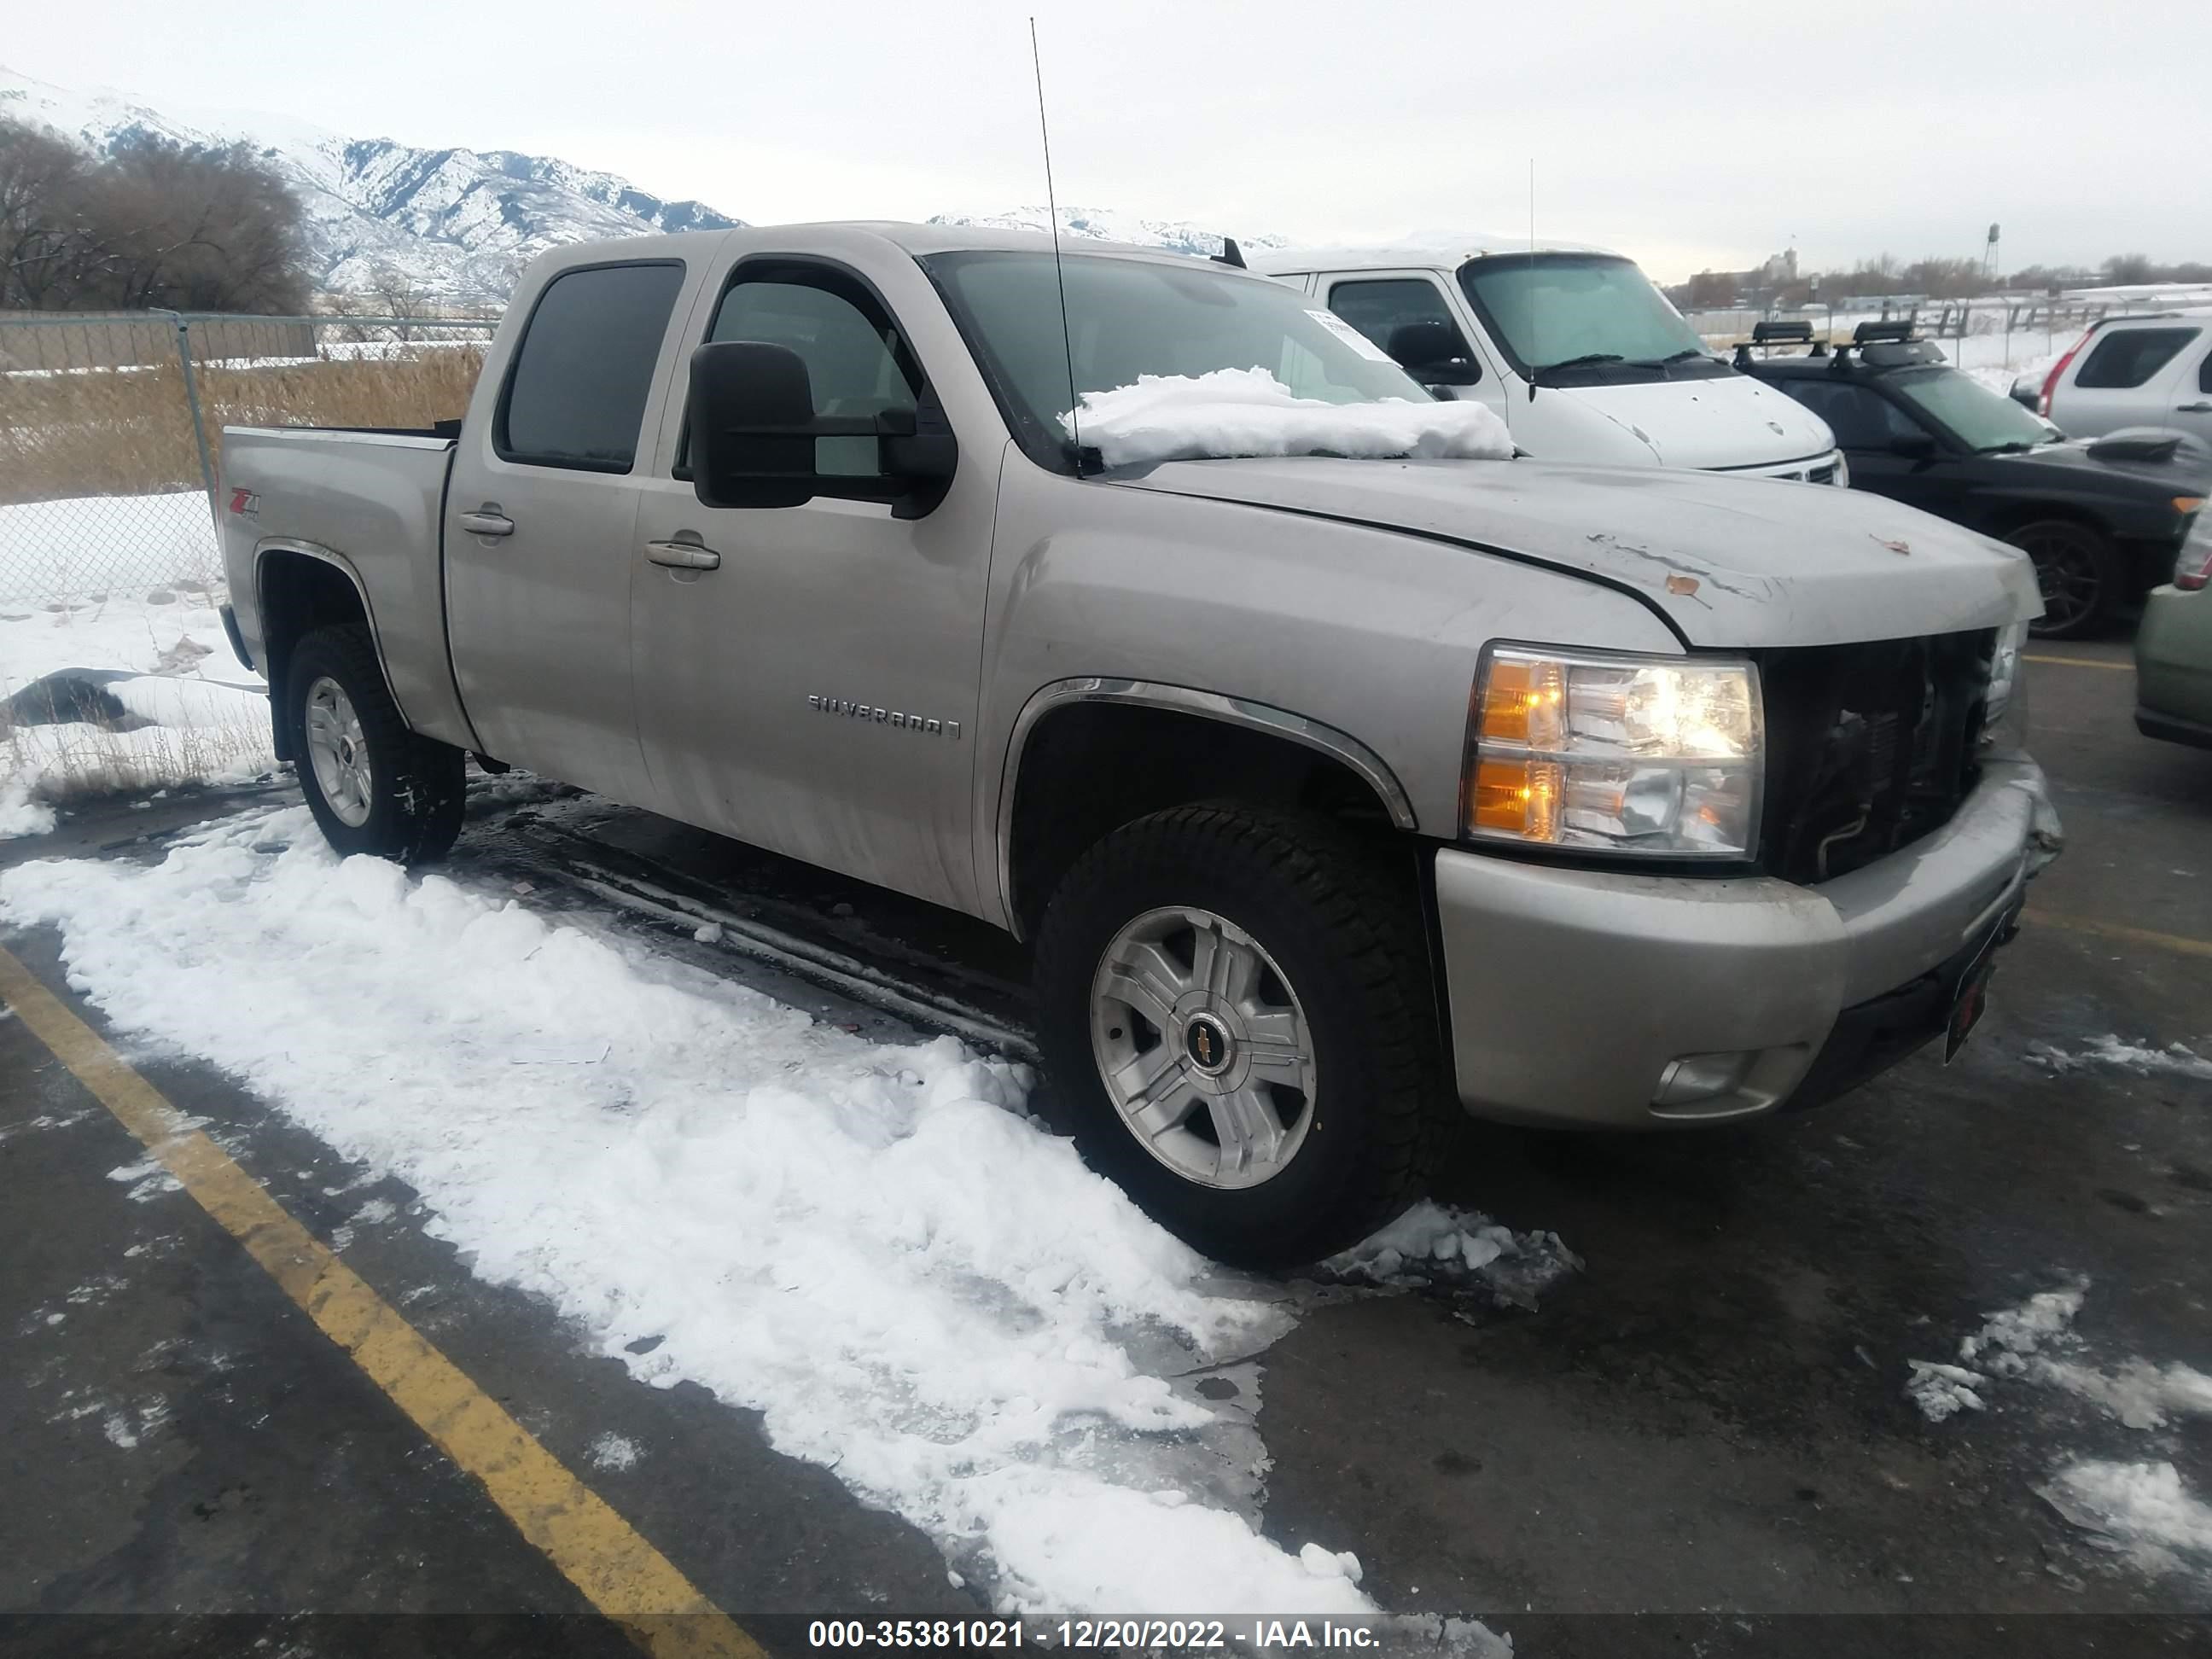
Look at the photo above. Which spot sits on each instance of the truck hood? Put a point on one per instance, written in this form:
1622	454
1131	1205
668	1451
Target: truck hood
1740	562
1723	422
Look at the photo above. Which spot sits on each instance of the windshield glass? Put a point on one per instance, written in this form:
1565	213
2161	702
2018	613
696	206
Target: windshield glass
1593	314
1981	419
1127	317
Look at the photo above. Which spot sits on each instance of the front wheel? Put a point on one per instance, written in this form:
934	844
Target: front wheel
373	786
1237	1022
2075	567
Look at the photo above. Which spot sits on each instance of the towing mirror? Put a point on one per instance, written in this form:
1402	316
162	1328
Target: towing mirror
753	430
1433	353
752	410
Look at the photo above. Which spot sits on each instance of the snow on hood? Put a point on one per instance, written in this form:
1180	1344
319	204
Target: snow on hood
1247	411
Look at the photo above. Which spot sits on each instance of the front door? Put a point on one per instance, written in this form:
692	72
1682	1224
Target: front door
1378	303
539	522
813	688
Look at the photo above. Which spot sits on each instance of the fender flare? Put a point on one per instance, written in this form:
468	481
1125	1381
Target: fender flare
1369	766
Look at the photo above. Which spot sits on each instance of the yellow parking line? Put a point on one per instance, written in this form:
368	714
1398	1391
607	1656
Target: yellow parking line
2079	662
2181	944
599	1551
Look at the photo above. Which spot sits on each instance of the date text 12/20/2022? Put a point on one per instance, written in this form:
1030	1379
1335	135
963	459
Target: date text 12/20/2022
1166	1635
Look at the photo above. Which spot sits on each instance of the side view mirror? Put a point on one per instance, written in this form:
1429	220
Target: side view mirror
1433	353
1914	446
753	428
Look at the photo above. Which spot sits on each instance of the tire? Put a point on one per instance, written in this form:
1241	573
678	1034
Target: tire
373	786
2078	571
1307	922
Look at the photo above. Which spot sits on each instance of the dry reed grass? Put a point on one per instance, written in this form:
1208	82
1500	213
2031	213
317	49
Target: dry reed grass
128	431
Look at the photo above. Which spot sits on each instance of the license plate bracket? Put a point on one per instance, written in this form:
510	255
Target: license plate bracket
1970	995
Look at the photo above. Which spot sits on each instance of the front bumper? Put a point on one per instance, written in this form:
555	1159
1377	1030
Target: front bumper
1573	993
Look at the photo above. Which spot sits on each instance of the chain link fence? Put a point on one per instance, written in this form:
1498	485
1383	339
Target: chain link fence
111	428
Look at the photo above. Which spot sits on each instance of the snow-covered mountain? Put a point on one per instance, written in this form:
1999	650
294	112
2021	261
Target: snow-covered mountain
462	224
459	223
1108	225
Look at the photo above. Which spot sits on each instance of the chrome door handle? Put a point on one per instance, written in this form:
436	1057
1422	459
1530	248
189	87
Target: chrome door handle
488	520
683	555
2193	409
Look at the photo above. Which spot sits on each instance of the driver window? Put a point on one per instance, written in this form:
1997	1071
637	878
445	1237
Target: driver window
855	357
1379	308
1860	419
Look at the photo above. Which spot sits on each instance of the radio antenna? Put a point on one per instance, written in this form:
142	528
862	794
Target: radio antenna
1059	270
1532	276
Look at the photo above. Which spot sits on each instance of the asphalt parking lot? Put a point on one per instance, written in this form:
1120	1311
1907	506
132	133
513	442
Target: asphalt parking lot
1708	1425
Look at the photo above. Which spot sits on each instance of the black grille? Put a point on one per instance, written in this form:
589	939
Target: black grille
1822	475
1870	747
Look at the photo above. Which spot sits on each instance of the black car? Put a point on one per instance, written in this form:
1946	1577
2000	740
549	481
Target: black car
2103	520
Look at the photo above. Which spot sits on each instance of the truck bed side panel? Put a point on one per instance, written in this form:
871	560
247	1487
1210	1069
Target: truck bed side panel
371	505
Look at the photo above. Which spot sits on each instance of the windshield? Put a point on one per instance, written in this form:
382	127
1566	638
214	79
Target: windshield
1127	317
1583	316
1979	416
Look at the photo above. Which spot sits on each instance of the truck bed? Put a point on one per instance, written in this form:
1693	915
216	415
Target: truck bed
369	501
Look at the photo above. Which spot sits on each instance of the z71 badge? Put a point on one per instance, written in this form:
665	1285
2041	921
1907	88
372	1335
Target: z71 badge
864	711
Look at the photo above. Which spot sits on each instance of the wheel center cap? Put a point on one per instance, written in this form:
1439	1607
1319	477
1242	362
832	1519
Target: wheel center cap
1207	1043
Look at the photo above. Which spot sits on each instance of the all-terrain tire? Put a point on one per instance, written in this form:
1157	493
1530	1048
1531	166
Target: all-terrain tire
1345	930
416	785
2079	574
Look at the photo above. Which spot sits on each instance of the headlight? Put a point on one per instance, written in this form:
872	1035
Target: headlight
1646	755
2004	672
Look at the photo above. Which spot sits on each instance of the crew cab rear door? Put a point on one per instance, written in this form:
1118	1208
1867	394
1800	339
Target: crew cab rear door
807	679
538	519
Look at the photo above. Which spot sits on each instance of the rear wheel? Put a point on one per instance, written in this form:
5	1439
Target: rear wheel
2078	572
373	786
1237	1021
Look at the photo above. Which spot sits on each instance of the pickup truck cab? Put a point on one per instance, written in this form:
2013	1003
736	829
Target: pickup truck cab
1336	795
1571	345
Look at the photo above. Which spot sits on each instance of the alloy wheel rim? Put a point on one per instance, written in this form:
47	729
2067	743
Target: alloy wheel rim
1203	1047
339	751
2067	578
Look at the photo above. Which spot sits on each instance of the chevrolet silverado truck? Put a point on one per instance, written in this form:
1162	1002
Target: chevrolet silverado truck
1336	796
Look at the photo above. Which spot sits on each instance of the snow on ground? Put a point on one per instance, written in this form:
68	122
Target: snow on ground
1247	411
2143	1509
869	1244
2022	1343
159	664
105	545
2174	1059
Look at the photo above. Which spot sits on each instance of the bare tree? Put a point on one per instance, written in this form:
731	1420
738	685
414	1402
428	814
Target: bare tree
153	224
395	291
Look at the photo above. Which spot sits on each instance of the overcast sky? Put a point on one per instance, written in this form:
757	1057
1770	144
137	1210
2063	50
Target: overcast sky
1707	132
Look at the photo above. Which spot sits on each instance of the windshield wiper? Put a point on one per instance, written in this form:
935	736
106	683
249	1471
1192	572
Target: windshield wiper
2014	447
1671	358
1582	362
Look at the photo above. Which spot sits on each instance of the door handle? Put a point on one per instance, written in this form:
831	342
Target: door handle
488	520
683	555
2200	408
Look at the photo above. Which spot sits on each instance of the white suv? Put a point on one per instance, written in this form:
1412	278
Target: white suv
2153	370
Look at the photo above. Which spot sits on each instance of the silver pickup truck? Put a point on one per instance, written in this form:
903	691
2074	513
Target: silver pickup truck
1335	794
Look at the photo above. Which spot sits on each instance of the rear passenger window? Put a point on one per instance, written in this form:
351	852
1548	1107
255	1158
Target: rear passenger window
2130	357
577	396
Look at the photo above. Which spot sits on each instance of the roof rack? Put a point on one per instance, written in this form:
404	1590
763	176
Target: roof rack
1779	331
1899	328
1888	344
